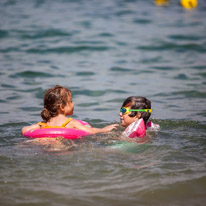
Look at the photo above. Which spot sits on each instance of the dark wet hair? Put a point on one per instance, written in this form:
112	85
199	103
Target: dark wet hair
138	103
53	99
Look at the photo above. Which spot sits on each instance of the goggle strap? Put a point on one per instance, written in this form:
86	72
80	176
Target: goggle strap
135	110
140	110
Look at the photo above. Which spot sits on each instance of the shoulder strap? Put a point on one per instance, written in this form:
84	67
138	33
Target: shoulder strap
43	124
67	122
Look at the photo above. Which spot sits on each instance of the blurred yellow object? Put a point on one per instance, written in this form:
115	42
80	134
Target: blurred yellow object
189	4
161	2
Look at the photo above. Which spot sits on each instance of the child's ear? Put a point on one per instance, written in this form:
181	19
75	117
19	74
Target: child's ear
138	115
61	107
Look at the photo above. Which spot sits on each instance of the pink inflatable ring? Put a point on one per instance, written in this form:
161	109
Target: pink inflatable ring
67	133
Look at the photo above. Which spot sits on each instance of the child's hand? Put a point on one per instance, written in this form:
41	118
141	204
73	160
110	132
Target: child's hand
110	127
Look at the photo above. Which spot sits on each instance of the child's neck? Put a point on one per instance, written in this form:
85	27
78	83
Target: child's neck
58	120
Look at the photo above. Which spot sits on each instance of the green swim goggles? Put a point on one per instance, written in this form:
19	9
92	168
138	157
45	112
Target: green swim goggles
126	110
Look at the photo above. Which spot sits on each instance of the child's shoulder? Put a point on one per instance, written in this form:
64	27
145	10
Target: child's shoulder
77	122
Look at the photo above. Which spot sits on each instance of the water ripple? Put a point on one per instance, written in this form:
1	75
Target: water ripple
185	37
3	34
120	69
95	93
142	21
31	74
39	34
164	46
68	50
104	51
184	94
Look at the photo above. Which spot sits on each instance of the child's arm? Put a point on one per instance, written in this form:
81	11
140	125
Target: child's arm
27	128
77	125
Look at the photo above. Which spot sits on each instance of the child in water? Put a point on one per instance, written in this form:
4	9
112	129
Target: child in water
58	105
134	115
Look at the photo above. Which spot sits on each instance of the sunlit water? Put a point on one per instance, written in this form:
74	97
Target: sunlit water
104	51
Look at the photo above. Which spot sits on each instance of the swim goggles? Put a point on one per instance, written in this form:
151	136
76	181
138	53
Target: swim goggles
125	110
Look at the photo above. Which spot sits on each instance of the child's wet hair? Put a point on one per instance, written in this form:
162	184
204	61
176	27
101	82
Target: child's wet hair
136	102
53	99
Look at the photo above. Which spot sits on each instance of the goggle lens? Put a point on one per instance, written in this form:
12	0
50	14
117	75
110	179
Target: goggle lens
124	110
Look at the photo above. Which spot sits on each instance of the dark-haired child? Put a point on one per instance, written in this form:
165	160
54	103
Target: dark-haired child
134	114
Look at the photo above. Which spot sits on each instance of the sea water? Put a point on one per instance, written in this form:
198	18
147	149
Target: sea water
104	51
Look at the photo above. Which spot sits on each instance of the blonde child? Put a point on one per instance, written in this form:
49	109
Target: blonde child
58	105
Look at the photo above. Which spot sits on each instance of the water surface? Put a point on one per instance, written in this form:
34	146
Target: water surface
104	51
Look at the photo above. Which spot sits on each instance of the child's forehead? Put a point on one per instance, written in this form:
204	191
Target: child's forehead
128	105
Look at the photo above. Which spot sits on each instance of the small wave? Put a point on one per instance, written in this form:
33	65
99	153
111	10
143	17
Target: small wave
185	37
85	73
3	101
116	100
203	74
93	42
191	94
31	109
96	93
168	68
183	94
164	46
199	67
142	21
9	49
151	60
120	69
68	50
175	124
31	74
87	104
124	12
39	34
3	34
105	34
8	86
181	77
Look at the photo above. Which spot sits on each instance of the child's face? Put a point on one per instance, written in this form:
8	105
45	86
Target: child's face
125	119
